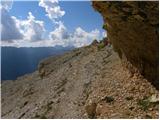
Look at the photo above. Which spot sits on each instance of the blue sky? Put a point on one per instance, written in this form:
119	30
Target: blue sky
74	18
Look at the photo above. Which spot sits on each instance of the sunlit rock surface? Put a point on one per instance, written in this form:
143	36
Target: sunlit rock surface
88	82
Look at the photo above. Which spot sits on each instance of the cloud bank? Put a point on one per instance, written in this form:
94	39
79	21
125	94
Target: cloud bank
32	33
32	29
9	30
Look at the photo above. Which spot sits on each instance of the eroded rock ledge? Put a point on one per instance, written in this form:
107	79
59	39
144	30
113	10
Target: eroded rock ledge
133	29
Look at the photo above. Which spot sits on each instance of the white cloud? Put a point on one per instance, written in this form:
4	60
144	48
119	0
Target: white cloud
104	34
15	29
78	38
59	36
31	32
7	5
52	9
32	29
82	38
60	32
9	30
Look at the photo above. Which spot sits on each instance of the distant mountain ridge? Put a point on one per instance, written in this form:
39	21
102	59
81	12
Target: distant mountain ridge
19	61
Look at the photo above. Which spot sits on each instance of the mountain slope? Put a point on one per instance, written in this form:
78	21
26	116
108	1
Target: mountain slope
87	82
16	62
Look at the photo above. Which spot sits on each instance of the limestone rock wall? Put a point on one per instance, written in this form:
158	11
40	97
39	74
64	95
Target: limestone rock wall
133	29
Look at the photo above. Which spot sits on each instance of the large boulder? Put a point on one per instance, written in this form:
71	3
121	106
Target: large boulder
133	29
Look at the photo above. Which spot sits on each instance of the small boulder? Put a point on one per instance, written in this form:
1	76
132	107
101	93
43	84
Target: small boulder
154	98
91	109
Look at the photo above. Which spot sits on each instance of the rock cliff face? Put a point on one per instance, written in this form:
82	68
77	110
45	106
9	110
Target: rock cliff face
133	29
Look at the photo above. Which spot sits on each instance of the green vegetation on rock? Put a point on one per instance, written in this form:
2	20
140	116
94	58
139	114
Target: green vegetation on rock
101	46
